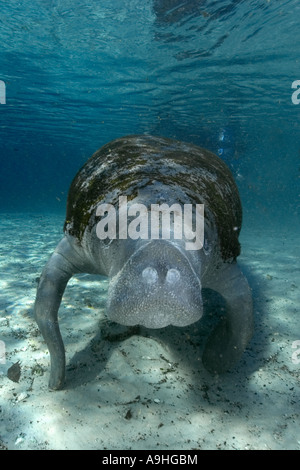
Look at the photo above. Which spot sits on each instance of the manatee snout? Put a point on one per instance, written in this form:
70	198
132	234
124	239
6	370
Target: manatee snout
152	283
157	287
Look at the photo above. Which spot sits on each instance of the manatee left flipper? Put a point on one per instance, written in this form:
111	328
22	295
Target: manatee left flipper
230	338
52	284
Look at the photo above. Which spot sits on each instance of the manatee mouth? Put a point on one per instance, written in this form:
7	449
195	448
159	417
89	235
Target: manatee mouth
152	314
157	287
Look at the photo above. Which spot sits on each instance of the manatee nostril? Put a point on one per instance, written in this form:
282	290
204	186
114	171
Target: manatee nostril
150	275
173	275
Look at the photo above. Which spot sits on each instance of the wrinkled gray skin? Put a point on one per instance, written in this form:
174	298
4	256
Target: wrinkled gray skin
153	283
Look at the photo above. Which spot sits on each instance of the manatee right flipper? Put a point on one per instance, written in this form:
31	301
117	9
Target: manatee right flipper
231	336
52	284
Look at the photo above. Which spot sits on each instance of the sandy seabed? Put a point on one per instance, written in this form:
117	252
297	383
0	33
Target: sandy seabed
133	388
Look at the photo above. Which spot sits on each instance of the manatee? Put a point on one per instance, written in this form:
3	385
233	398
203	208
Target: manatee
154	281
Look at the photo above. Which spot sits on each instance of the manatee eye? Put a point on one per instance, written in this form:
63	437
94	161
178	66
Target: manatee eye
150	275
172	276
